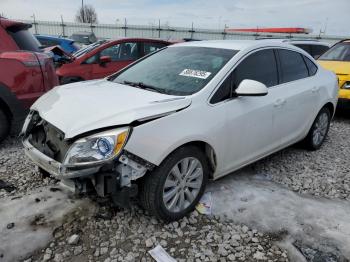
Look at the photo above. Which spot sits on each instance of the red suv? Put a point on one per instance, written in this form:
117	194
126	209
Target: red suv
104	58
25	74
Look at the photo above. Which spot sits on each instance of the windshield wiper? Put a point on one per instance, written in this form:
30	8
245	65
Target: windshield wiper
144	86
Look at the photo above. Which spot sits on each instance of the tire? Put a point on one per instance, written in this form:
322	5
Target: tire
4	126
69	80
153	191
319	129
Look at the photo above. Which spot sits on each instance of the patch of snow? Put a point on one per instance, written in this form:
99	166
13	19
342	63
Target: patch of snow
34	216
255	201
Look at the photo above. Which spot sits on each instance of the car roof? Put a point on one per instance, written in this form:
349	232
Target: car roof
7	23
297	41
238	44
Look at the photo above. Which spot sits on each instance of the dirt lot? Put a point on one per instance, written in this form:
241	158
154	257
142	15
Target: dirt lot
292	206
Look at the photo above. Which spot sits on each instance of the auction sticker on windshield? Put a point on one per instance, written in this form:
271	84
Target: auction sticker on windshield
195	73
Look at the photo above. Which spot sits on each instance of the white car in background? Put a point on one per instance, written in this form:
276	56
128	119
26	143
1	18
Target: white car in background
163	126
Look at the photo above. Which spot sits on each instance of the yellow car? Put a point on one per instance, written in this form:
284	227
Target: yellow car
337	59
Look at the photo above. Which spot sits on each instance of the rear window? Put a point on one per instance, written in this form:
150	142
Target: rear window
24	39
318	50
306	48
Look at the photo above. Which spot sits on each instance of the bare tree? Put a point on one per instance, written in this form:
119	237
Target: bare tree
86	14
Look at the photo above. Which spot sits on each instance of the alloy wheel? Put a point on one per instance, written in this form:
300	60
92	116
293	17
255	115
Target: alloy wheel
182	184
320	129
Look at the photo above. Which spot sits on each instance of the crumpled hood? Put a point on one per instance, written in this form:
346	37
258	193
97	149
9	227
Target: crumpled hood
85	106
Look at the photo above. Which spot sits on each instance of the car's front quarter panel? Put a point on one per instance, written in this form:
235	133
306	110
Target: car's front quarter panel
155	140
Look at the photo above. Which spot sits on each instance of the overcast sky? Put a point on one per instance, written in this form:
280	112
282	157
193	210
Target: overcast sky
315	14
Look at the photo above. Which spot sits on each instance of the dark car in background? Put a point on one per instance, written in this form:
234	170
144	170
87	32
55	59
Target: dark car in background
104	58
84	38
26	73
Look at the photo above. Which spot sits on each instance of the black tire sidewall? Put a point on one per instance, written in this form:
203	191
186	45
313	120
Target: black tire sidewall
163	171
4	126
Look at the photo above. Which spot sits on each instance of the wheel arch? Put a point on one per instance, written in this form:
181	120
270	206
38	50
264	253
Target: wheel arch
206	148
12	107
330	107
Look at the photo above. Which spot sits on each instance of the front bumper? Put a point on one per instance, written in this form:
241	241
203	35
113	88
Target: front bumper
54	167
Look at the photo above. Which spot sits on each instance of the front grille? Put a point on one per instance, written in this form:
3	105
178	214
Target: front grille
48	139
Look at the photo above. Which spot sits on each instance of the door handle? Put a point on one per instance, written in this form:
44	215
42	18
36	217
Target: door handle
279	102
315	89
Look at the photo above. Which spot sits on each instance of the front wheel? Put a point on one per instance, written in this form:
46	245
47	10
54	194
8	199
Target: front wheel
319	130
174	188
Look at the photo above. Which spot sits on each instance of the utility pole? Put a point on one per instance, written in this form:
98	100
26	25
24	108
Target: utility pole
35	25
63	25
82	10
159	28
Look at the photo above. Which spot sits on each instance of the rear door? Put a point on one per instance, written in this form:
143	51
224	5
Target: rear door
297	97
121	54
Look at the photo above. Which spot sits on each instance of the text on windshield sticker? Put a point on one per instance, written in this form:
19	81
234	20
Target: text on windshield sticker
195	73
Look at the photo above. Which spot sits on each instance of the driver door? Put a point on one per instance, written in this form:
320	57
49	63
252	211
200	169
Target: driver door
121	55
249	119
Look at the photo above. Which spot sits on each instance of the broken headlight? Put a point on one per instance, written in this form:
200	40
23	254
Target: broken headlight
96	148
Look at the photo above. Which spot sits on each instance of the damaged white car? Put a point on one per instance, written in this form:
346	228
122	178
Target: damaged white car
163	126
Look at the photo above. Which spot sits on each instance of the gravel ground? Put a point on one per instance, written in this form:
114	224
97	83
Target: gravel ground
321	173
127	235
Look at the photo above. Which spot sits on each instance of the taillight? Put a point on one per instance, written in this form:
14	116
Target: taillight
27	58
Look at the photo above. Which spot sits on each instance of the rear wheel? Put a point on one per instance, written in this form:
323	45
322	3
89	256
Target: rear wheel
174	188
4	125
319	130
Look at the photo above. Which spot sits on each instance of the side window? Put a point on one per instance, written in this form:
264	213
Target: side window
311	66
152	47
318	50
306	48
224	91
293	66
112	52
93	59
129	51
122	52
260	66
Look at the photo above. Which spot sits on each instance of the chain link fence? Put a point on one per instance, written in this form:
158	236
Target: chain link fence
112	31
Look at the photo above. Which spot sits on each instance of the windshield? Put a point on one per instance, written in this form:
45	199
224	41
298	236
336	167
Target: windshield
88	49
177	70
339	52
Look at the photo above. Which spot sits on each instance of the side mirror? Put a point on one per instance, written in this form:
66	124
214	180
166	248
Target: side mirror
251	88
105	60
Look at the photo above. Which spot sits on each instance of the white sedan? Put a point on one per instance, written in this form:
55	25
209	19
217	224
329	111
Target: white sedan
163	126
